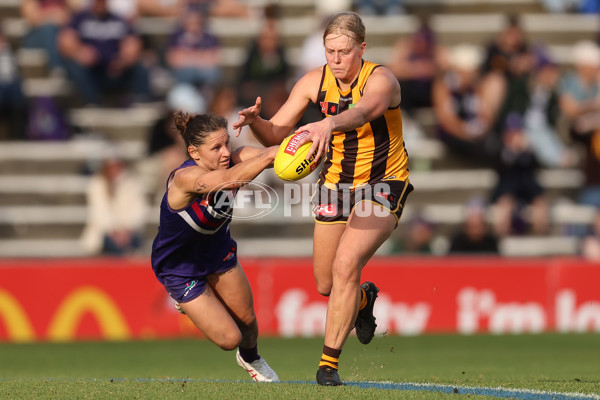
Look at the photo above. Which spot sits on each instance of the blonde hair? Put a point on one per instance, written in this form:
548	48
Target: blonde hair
346	23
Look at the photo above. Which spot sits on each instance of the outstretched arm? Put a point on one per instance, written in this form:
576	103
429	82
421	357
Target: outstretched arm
193	181
197	181
264	130
245	153
273	131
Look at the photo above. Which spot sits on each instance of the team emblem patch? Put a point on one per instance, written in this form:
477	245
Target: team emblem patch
329	108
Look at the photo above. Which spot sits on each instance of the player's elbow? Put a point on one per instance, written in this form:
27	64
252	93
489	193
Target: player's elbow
364	116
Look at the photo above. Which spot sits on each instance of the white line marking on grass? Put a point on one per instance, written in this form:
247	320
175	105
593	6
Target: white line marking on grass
509	393
521	394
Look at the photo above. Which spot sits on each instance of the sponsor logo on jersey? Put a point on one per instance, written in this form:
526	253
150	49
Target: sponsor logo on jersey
344	103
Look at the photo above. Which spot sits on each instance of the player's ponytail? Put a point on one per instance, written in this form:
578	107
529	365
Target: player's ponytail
194	128
181	120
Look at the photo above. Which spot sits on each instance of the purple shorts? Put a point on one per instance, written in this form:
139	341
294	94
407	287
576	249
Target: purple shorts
185	289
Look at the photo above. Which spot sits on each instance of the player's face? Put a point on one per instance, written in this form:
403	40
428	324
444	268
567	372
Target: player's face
215	152
343	56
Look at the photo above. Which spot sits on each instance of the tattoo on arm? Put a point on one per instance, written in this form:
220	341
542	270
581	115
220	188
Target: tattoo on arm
199	186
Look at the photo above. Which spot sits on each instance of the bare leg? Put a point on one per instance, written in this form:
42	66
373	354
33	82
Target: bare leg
207	308
225	314
233	289
361	238
228	300
325	243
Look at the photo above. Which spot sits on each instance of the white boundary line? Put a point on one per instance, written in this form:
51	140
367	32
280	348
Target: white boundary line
502	392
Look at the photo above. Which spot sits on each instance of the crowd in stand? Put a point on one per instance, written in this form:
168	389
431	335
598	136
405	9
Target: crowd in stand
500	108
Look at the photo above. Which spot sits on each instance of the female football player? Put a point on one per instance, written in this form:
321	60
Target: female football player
364	182
193	254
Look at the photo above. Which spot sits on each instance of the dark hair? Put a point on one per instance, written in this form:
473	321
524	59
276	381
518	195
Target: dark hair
195	128
346	23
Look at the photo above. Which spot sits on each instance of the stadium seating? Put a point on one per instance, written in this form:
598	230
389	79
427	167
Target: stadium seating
42	207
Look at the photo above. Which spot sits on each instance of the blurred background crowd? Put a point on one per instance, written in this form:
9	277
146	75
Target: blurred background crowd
501	108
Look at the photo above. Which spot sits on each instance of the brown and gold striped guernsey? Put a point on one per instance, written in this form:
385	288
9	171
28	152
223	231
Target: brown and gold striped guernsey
371	153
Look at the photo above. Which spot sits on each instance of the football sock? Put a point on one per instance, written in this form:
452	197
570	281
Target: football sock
330	358
363	299
249	355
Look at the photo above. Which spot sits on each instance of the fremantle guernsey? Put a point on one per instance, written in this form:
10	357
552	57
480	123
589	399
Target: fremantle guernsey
194	241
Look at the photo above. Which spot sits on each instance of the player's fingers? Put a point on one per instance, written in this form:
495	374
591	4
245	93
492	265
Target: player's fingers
320	151
314	147
238	124
255	108
307	137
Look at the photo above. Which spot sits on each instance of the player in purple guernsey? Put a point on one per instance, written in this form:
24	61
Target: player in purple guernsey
193	254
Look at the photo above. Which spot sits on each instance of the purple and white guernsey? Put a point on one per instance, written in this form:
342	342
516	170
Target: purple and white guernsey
194	241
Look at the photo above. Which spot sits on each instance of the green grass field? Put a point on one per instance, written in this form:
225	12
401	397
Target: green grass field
198	369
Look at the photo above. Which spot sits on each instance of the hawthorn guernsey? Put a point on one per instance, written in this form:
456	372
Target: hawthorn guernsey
290	162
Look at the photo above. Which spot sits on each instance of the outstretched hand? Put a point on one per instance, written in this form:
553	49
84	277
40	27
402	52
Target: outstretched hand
247	116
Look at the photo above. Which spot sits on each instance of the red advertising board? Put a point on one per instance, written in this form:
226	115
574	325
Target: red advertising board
119	299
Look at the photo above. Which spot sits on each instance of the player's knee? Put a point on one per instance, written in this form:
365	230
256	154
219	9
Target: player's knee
229	340
346	269
323	278
324	288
